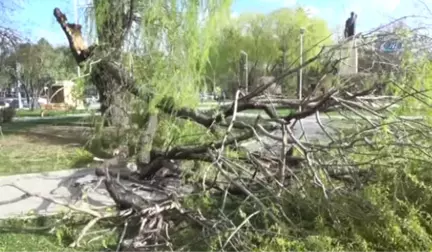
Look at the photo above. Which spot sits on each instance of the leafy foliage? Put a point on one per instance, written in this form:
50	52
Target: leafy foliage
36	66
265	38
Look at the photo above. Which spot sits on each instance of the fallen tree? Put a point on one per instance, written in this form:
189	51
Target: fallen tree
253	182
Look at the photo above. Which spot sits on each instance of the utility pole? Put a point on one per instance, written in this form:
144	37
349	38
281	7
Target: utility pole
300	77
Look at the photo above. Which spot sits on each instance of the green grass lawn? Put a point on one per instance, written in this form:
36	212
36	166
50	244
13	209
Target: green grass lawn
43	145
35	235
32	241
27	153
37	112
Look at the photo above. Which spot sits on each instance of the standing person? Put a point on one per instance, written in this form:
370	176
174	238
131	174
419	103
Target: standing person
350	24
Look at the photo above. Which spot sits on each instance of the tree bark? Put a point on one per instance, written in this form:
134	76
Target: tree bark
32	105
113	94
110	78
26	93
145	144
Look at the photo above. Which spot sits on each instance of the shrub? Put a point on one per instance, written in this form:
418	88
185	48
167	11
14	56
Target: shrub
7	114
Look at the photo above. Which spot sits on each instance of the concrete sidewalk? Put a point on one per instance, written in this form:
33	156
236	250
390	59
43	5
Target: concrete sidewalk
67	187
64	186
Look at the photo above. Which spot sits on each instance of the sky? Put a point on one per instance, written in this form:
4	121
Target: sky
35	19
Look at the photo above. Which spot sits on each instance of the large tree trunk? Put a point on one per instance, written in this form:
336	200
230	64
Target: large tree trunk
113	96
114	20
110	78
32	105
27	94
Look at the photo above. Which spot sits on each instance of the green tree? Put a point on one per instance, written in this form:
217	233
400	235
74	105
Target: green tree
271	41
37	66
65	63
8	38
174	42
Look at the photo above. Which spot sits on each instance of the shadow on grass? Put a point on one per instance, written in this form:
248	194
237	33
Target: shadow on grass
81	139
50	144
50	135
21	125
71	140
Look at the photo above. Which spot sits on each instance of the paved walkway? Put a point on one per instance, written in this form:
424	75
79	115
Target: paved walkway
60	185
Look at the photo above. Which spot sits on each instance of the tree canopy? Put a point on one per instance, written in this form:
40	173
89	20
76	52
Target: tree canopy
265	38
36	66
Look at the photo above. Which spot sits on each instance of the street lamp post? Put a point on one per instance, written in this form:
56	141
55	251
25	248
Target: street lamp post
300	77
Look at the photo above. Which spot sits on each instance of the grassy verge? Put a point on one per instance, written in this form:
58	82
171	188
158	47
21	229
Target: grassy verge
37	113
27	153
41	234
44	145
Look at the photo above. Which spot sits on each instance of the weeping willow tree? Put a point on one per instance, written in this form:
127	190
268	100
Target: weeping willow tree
171	41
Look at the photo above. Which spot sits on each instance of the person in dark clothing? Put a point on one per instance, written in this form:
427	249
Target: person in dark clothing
350	25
